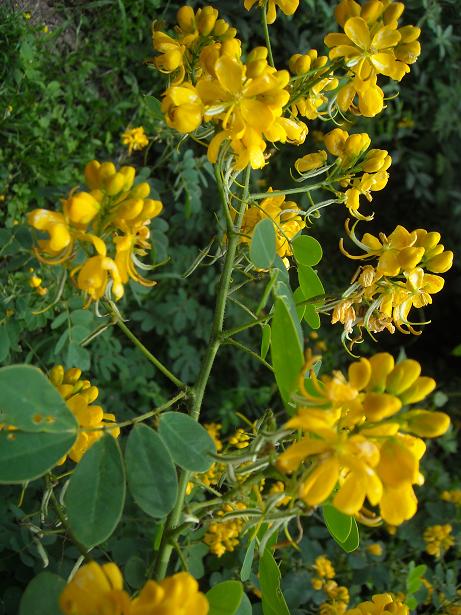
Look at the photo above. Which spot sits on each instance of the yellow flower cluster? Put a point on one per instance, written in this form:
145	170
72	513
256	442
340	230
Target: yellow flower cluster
35	282
135	139
382	296
224	535
360	435
80	395
286	217
196	35
338	595
98	590
352	158
240	439
381	604
453	496
438	539
372	44
286	6
277	488
113	215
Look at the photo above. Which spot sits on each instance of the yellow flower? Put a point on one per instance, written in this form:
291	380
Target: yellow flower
178	594
59	244
380	604
240	439
95	590
224	535
375	549
286	6
79	395
324	568
135	139
183	108
93	277
438	539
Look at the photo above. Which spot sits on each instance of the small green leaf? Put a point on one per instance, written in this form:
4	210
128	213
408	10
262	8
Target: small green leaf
286	350
45	428
310	283
245	571
299	303
151	474
273	601
41	596
266	340
225	598
311	316
307	250
339	524
352	542
154	107
96	494
189	443
262	247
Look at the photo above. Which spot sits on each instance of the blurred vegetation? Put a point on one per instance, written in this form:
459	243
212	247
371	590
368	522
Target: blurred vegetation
73	76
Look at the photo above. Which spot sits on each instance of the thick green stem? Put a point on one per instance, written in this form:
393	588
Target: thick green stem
149	356
174	518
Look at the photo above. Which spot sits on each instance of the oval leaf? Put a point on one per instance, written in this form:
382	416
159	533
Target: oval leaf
42	595
273	601
245	607
352	542
96	493
286	350
150	471
225	598
307	250
262	247
310	283
338	523
44	427
189	443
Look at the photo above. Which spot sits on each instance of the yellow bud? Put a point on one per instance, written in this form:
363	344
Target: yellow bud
220	28
371	101
141	191
311	161
427	424
35	281
186	18
92	174
371	10
335	141
206	19
356	144
106	170
409	34
418	390
115	184
56	375
393	12
129	173
441	262
378	406
72	375
403	376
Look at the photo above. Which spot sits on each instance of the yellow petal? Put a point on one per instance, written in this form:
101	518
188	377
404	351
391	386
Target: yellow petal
359	374
229	72
403	376
357	30
381	364
320	482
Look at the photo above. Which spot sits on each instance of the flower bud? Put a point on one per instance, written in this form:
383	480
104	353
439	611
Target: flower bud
72	375
440	263
81	208
311	161
91	172
56	374
206	19
420	389
427	424
115	184
403	376
186	19
378	406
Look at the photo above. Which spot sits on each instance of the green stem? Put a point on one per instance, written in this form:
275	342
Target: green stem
174	517
250	352
266	35
69	533
158	364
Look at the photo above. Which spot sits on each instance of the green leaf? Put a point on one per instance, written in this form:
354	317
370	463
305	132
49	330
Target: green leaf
283	290
45	428
153	106
307	250
245	571
225	598
273	601
42	595
311	316
96	494
189	443
352	542
286	350
266	340
339	524
300	306
262	247
151	474
4	342
245	607
310	283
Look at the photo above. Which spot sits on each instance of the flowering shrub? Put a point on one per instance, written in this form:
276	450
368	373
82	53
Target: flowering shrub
348	447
